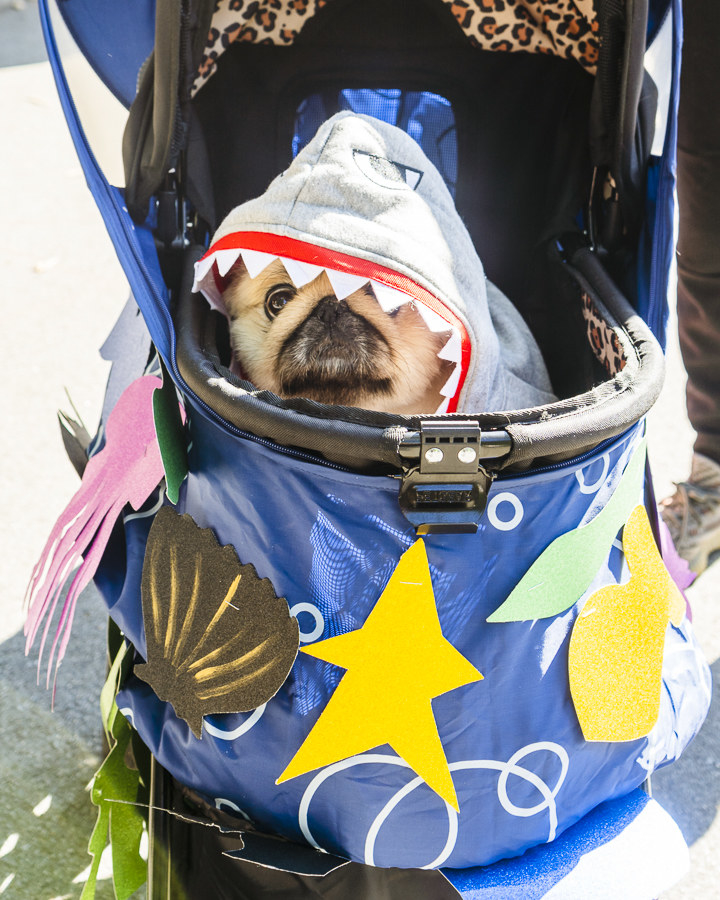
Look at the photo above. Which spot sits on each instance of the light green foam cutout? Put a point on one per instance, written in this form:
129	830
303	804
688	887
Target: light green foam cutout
564	571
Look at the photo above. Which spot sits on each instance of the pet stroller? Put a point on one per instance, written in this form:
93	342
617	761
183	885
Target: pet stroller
560	662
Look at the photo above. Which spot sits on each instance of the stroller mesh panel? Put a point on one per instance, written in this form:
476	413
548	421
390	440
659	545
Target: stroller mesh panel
570	30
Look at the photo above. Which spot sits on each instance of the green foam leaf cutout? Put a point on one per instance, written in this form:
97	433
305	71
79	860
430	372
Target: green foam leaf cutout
564	571
115	791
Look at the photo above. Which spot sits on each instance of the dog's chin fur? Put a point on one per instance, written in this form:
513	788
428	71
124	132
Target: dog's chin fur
348	352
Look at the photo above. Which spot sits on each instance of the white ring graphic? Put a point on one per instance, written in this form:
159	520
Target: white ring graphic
129	714
331	770
388	808
504	768
596	485
222	801
513	769
505	524
307	636
225	735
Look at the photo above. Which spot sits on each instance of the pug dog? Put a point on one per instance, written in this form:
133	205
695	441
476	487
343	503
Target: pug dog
352	281
304	342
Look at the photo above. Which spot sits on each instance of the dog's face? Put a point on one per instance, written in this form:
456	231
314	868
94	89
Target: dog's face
304	342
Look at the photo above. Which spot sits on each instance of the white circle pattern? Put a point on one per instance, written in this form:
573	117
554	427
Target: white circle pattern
220	802
307	636
505	524
505	769
224	734
599	482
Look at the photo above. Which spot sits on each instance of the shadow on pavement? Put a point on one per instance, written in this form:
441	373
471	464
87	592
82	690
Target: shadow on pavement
47	759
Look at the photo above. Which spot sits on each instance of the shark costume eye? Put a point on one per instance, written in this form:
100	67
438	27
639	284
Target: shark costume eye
277	298
386	172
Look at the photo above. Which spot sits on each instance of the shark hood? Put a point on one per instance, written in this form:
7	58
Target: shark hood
364	203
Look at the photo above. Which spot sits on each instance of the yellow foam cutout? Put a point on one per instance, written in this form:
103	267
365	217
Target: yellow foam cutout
616	648
396	664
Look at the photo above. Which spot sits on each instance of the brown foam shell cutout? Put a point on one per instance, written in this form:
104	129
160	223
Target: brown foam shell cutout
218	638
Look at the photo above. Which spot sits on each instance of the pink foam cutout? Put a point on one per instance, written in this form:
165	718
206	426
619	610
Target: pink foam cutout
126	470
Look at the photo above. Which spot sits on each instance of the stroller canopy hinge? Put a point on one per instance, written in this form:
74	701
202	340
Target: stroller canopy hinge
444	487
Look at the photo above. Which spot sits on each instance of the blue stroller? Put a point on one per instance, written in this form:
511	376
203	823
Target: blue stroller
493	655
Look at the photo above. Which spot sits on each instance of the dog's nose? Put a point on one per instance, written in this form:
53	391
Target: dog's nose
328	310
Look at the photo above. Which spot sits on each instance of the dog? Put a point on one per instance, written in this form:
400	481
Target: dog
352	281
304	342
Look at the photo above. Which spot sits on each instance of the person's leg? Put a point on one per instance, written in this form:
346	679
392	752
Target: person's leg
699	234
693	513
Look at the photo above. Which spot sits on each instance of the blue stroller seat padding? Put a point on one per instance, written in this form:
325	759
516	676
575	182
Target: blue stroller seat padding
625	849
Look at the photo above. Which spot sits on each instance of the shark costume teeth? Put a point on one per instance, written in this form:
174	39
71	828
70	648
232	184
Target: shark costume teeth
211	270
363	203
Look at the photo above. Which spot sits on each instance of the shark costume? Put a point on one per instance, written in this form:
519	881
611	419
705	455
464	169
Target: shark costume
363	202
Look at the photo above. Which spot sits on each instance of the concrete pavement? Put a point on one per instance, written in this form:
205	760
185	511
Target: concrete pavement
62	289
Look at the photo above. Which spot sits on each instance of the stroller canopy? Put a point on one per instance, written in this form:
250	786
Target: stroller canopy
631	111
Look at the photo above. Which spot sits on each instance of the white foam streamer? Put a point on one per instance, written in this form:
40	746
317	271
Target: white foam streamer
593	488
147	513
326	773
372	834
231	734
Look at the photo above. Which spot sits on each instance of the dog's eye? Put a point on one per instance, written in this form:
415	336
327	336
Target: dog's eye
276	298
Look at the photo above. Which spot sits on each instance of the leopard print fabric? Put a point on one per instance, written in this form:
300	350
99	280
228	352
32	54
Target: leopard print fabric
255	21
602	338
566	28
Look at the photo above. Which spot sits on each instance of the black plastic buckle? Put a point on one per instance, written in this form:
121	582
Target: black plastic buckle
446	491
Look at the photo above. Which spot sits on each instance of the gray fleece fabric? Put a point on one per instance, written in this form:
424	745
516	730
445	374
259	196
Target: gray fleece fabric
354	189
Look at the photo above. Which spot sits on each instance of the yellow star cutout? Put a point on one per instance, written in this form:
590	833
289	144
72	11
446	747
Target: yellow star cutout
396	663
